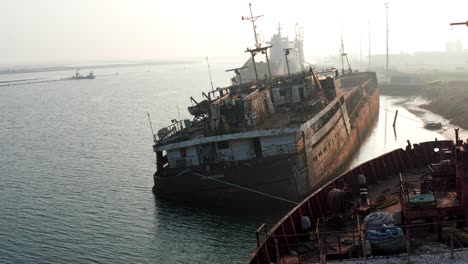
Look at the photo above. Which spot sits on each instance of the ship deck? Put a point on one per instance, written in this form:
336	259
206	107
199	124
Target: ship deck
339	240
284	116
291	117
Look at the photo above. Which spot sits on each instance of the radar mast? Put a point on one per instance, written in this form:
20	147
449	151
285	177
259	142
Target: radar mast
258	46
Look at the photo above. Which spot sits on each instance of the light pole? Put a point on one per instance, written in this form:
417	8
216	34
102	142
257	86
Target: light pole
386	7
369	48
286	53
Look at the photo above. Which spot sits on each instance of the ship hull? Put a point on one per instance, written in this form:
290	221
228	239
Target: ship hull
244	185
367	118
274	181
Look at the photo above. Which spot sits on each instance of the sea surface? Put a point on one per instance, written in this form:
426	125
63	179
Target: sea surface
76	167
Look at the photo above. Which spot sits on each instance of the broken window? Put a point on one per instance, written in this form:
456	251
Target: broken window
223	144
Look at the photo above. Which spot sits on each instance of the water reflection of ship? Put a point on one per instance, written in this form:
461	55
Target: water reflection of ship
78	76
279	45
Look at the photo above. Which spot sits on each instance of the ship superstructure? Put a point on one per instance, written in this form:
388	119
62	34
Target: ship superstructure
279	45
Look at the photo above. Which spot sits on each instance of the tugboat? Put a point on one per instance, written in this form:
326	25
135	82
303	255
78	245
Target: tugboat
78	76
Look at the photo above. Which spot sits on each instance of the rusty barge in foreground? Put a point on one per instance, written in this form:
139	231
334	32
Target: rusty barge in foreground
408	202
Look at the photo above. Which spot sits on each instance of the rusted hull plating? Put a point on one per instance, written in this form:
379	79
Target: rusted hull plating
315	206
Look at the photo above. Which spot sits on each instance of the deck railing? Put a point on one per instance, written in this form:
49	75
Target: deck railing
315	206
279	149
324	247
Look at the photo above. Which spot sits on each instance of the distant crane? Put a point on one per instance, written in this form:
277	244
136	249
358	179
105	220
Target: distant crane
343	55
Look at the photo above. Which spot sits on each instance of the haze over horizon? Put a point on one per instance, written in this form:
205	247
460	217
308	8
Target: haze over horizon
54	31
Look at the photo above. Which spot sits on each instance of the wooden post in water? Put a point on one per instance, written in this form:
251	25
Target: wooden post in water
394	120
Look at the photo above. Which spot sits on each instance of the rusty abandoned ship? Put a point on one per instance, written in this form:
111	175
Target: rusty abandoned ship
267	142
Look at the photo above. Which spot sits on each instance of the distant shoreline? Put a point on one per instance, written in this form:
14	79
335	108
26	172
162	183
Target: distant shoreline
88	67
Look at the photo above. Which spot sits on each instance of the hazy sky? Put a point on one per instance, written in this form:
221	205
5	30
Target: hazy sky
63	31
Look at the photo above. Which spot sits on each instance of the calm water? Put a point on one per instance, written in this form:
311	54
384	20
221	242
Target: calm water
76	167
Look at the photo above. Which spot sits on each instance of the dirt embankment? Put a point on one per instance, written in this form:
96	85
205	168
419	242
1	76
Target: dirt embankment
447	92
450	100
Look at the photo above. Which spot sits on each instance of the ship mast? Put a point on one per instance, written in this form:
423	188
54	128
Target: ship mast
258	47
209	71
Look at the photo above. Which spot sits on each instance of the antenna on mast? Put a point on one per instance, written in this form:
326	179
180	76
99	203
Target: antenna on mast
258	46
209	71
151	126
252	19
237	72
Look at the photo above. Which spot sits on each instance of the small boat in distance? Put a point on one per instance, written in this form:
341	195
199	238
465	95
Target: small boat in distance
78	76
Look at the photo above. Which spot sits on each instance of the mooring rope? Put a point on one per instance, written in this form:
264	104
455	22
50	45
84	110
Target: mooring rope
245	188
409	118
